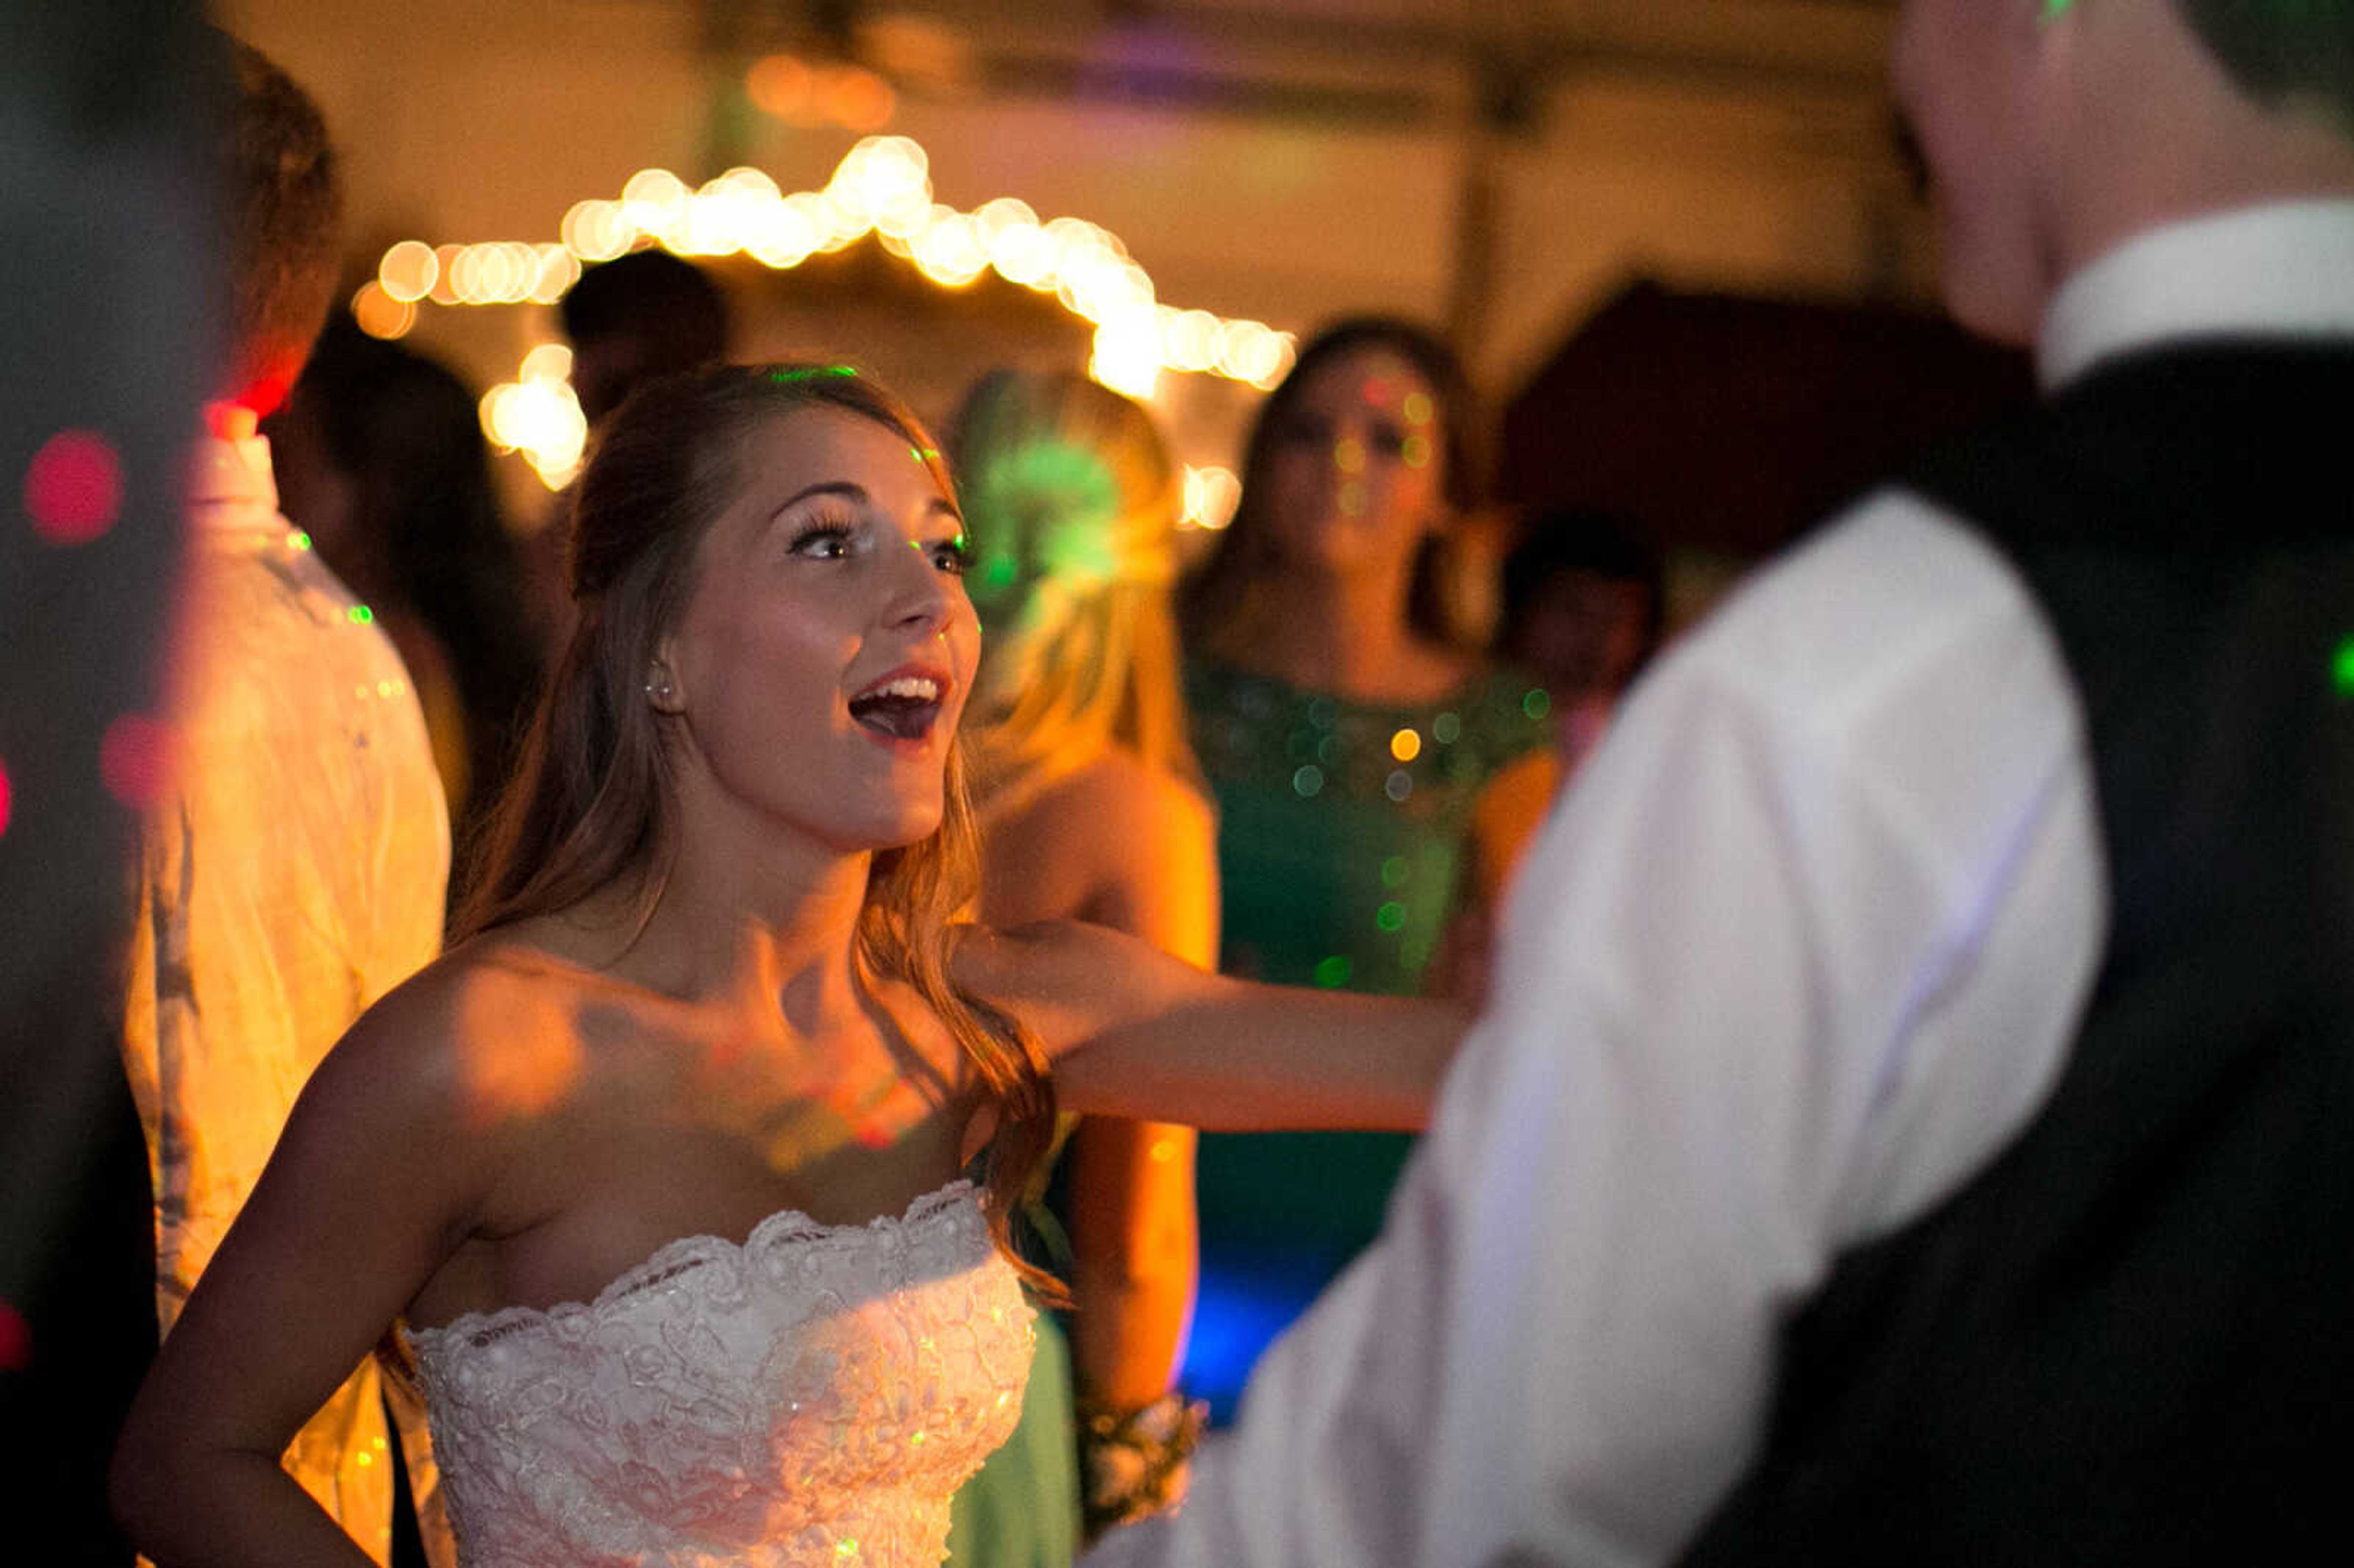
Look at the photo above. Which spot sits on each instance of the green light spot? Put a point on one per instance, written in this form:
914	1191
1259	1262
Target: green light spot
1446	730
298	539
1394	871
1308	780
359	615
1000	572
2342	668
1333	972
812	373
1391	915
1536	705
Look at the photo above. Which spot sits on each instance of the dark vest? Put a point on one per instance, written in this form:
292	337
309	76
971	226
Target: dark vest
2130	1338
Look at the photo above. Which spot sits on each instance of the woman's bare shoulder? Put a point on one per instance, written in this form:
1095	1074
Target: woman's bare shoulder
439	1046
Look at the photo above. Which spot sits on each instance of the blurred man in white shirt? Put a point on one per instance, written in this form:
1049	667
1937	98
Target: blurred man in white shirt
1911	1120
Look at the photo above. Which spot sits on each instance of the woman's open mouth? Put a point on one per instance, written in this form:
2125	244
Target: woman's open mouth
899	708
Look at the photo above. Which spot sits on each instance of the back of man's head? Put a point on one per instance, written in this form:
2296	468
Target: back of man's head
646	314
2282	53
284	198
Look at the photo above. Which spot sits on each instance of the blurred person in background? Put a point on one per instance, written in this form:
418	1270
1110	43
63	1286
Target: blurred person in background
292	869
1091	807
381	460
630	320
1346	739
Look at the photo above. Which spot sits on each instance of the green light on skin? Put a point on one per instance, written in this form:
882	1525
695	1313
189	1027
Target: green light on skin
2055	9
2342	668
359	615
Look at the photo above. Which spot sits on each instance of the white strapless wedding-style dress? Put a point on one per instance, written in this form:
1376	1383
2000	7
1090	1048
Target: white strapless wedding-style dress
812	1396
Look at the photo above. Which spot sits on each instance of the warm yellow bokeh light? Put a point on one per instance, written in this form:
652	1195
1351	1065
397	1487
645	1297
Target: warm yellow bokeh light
408	272
881	187
380	313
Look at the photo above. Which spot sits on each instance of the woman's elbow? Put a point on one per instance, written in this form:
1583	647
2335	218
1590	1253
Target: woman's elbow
155	1475
137	1478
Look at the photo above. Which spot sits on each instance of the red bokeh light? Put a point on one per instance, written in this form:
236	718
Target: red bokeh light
15	1339
135	759
74	489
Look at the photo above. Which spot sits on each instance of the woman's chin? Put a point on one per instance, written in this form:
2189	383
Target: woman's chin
903	830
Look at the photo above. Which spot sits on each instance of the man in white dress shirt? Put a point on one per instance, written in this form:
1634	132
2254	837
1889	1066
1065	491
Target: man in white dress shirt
1730	1240
293	868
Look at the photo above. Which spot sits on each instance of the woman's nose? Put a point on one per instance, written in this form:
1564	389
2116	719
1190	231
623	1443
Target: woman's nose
923	598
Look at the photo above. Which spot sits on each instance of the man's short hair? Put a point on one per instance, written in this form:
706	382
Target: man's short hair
646	314
284	201
2282	52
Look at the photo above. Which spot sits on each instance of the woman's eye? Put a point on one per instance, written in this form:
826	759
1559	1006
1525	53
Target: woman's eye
822	542
953	556
1305	430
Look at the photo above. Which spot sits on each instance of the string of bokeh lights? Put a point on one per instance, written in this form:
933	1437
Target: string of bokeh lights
882	189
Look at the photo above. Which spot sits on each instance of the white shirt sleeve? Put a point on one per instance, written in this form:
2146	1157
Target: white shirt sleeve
1801	949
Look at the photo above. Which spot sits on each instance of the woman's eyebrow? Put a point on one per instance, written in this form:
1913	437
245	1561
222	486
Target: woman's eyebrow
847	489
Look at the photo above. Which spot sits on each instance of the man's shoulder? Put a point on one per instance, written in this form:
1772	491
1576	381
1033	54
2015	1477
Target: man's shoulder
1896	583
265	599
281	658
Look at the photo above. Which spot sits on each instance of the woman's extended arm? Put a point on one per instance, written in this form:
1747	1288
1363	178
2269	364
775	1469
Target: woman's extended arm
368	1190
1133	1032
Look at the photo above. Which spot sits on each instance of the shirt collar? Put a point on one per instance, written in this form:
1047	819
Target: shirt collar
2285	269
231	484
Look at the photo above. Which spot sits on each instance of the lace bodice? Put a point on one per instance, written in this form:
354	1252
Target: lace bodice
812	1396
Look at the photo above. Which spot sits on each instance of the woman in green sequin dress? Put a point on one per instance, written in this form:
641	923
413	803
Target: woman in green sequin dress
1346	744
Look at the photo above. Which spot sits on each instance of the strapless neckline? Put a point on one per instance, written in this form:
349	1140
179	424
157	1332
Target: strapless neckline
673	1258
812	1394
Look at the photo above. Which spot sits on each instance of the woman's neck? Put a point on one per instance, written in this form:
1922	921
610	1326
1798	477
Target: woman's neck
771	930
1343	633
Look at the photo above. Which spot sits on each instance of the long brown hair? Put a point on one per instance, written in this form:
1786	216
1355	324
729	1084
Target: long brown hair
591	806
1073	502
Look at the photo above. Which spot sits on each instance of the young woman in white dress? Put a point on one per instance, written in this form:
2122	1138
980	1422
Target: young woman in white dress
661	1164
